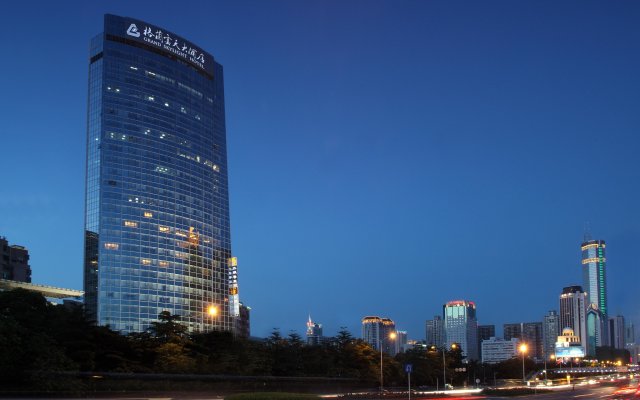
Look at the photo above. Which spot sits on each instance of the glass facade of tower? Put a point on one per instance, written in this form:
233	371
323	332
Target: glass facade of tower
595	283
157	232
594	273
461	326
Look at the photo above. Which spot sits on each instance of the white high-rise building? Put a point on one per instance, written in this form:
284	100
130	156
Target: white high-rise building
461	326
573	312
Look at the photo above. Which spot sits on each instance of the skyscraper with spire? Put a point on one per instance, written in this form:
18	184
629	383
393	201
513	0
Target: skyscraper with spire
314	333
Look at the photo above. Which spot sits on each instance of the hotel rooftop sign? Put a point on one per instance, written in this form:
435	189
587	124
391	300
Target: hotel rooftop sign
159	39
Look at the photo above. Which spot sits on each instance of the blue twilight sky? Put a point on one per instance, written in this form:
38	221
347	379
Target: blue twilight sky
385	156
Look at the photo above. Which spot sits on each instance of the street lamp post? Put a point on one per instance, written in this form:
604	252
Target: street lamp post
523	350
444	370
444	367
392	336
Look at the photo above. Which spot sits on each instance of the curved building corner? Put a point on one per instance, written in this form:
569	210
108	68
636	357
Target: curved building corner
157	230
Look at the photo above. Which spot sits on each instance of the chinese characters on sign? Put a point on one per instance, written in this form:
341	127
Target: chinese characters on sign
164	40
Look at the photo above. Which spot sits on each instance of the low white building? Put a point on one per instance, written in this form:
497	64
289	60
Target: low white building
496	350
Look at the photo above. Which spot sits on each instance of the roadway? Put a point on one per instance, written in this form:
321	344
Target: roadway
579	393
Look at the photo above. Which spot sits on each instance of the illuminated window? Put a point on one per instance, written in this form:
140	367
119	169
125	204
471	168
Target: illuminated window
163	263
146	261
131	224
111	246
163	228
148	214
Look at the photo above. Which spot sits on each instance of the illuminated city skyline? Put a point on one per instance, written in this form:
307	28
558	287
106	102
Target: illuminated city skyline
386	157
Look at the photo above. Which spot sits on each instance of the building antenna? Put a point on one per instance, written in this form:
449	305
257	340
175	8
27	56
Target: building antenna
587	231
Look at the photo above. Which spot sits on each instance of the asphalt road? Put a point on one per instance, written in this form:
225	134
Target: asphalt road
580	393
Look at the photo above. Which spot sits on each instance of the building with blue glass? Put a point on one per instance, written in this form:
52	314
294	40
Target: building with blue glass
594	279
157	232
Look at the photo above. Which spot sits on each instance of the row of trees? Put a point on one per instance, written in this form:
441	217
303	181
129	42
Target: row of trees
37	338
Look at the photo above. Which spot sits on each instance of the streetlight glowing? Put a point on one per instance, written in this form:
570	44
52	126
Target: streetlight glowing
523	350
392	335
212	311
454	346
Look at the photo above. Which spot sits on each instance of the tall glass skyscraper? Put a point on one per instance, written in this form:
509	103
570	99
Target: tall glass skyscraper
594	276
157	235
595	283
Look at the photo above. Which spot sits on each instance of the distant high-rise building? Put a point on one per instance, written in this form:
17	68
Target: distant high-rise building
597	328
573	312
14	262
495	350
550	333
461	326
630	333
634	351
617	332
314	333
510	331
243	322
378	333
594	277
531	334
485	332
157	228
401	341
413	344
435	331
